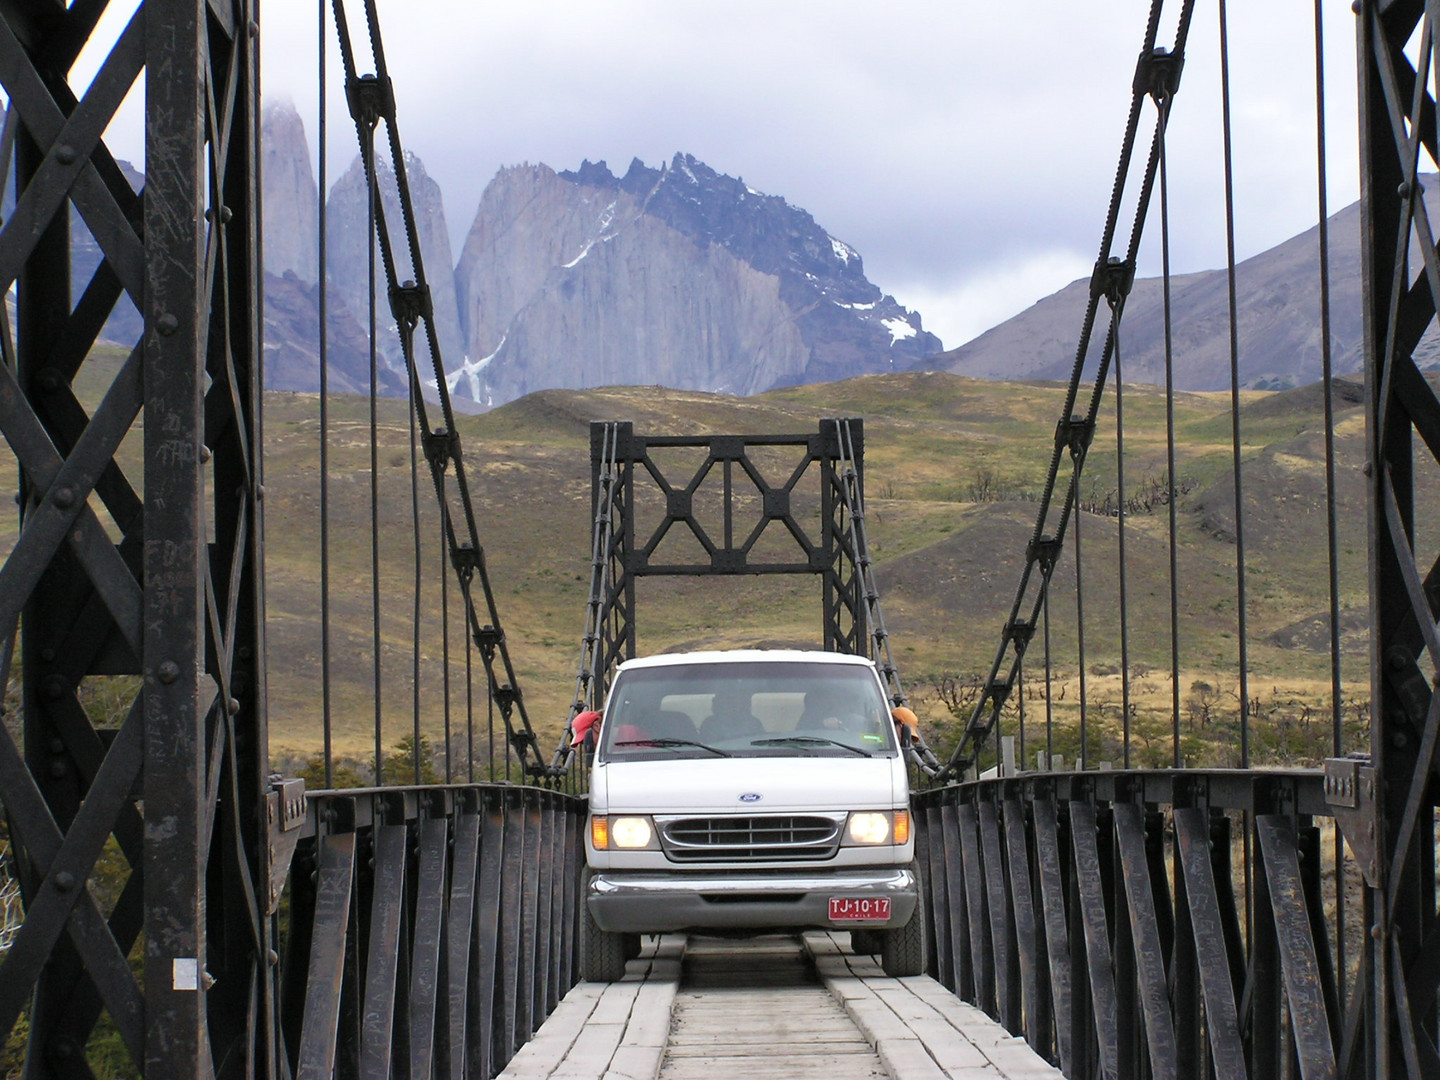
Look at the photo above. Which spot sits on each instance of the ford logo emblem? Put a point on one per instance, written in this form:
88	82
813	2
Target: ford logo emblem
750	796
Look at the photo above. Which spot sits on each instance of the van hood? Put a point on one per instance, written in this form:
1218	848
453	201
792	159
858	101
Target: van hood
721	785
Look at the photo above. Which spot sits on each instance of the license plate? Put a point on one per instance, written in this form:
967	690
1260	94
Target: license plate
853	909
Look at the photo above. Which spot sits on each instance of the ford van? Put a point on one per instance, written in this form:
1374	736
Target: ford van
748	792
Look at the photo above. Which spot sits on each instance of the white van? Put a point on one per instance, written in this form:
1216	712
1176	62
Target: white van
749	791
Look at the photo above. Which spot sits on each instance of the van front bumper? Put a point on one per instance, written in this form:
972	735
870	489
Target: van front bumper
656	903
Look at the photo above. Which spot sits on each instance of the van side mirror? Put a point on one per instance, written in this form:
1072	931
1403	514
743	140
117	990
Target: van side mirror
582	724
907	725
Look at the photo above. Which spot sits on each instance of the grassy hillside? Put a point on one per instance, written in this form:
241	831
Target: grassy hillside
952	468
952	465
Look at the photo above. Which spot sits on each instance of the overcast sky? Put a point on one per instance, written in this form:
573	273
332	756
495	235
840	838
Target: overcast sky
966	150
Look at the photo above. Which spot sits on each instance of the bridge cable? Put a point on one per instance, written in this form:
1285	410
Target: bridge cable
853	503
592	660
1241	600
1157	71
368	150
371	100
323	306
1331	538
1172	488
1120	535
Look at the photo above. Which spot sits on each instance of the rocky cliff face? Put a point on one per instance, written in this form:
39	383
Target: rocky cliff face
347	225
678	275
288	196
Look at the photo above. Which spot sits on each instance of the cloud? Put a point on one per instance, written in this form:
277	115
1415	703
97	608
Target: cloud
960	310
956	146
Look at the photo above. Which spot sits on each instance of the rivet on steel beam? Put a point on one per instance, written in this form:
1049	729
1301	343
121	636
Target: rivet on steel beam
64	497
205	454
64	881
48	655
273	957
54	687
1357	7
233	706
167	324
1367	468
1404	189
168	671
58	769
57	746
49	380
65	154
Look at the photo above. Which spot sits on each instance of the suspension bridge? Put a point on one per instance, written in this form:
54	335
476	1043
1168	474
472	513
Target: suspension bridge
185	911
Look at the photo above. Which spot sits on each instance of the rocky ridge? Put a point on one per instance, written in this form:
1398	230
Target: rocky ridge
678	275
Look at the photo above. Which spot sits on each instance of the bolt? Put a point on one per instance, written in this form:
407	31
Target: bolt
64	881
168	671
167	324
64	497
65	154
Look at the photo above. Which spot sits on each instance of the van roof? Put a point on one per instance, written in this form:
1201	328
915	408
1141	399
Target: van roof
747	656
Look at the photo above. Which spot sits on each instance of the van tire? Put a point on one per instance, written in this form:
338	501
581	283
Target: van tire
602	954
865	942
903	950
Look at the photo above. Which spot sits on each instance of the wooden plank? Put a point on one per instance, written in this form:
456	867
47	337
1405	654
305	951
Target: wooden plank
1145	934
1299	964
940	944
1192	832
460	941
377	1014
334	880
1022	898
1057	937
487	938
425	952
1083	837
1002	938
961	977
980	959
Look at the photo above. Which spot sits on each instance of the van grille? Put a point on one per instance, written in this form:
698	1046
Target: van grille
751	839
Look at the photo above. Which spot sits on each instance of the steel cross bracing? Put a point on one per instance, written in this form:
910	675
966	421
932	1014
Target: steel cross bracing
852	619
371	99
147	585
1391	799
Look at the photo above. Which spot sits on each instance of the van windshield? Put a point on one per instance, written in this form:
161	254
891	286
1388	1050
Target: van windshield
759	709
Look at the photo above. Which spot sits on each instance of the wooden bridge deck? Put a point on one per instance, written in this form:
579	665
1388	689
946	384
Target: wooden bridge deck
778	1008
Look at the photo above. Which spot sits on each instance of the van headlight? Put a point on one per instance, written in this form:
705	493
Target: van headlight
872	827
624	833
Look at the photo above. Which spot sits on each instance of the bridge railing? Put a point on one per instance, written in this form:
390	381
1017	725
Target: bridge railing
428	928
1170	923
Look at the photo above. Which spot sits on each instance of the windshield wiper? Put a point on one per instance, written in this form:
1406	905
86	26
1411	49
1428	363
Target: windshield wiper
791	740
673	742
